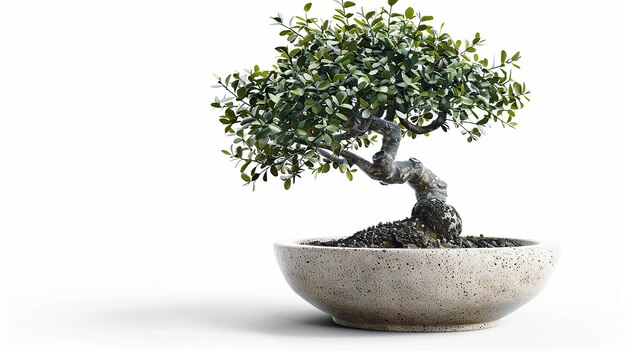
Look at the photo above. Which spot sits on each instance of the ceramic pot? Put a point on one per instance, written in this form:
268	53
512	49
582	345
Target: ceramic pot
420	290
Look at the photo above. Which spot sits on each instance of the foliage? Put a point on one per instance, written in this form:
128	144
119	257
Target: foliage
365	63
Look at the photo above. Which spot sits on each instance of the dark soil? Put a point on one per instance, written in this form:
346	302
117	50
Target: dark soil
410	234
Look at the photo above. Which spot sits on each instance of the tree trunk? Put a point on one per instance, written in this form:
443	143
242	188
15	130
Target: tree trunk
431	209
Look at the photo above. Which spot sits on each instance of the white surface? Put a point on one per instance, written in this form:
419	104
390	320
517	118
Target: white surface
119	213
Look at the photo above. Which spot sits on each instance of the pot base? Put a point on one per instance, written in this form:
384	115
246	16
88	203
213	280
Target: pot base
414	328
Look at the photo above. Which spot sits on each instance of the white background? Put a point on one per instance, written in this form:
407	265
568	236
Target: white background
125	228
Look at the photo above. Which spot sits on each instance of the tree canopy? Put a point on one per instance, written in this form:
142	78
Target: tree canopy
333	75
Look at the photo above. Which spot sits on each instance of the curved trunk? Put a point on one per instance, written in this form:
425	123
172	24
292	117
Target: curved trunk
431	208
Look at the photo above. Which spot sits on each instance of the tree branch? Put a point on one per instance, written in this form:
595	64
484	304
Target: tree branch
356	124
291	29
391	135
232	93
329	156
441	119
384	168
350	159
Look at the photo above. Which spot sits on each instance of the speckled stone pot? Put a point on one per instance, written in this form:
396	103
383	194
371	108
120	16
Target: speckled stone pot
420	290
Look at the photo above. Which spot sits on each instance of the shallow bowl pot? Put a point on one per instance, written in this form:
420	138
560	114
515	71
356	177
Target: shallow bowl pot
425	290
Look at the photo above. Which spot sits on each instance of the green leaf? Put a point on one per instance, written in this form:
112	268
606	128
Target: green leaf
338	77
409	12
245	177
287	184
241	92
483	121
245	165
349	175
392	2
516	56
502	56
230	114
426	18
466	101
307	7
274	98
275	128
348	4
324	85
341	96
297	91
226	152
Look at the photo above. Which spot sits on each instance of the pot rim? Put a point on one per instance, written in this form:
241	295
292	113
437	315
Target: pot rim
298	243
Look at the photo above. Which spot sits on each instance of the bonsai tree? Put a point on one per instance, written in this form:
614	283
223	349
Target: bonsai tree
339	84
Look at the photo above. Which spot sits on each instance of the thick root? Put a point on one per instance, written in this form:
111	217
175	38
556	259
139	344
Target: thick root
439	217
